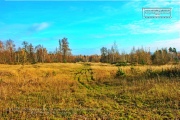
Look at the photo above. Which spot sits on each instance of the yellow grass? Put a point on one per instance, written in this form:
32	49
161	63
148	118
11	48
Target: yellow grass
85	90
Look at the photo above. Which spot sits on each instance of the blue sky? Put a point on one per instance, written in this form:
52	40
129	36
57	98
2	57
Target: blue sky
89	25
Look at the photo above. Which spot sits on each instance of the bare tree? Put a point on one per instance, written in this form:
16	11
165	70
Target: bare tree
10	48
65	49
104	54
1	52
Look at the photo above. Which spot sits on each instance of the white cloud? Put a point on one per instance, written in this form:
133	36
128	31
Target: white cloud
149	27
39	26
162	3
146	27
165	44
133	6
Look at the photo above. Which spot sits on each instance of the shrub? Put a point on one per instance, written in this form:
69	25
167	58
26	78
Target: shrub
120	72
121	64
150	73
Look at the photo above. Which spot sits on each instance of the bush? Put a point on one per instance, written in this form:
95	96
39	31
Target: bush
173	72
121	64
150	73
120	72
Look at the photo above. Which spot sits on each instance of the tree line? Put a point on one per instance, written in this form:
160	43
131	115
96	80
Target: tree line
140	56
29	54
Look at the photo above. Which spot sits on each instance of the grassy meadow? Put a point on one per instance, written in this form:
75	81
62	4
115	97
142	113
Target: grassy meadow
89	91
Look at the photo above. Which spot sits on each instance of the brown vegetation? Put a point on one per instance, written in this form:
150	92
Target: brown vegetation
29	54
89	91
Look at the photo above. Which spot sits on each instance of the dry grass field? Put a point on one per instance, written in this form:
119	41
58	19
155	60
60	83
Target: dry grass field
89	91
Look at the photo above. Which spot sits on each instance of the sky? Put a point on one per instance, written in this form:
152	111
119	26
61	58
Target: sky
89	24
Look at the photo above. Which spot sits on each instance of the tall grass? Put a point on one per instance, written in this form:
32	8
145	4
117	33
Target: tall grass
73	91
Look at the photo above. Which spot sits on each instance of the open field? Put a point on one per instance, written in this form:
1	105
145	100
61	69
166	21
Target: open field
89	91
